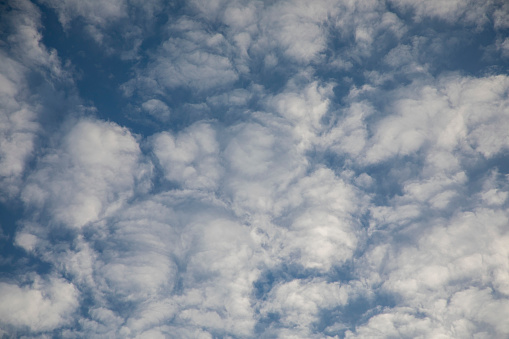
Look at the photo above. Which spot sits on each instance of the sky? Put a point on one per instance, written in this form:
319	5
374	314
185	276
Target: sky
254	169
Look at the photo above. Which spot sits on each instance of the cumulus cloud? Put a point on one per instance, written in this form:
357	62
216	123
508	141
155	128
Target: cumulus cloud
21	111
157	109
463	11
191	158
445	256
192	58
18	132
433	119
39	306
295	171
299	302
435	280
93	174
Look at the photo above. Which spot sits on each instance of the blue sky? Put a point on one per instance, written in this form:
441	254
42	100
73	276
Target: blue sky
254	169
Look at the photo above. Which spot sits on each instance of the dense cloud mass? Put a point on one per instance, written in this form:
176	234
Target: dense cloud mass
254	169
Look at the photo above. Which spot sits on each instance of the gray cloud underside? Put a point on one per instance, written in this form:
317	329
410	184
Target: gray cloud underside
317	171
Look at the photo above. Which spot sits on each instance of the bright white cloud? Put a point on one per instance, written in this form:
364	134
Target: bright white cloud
40	306
191	158
299	302
92	175
435	278
297	170
457	112
20	110
323	230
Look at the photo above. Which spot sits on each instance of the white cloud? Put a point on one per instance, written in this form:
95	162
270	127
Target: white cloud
323	230
296	27
500	16
443	241
349	135
303	109
444	260
467	11
191	157
285	204
40	306
96	12
400	323
25	40
17	136
457	112
286	34
26	241
146	242
157	109
192	57
25	58
220	276
117	26
261	163
299	302
93	174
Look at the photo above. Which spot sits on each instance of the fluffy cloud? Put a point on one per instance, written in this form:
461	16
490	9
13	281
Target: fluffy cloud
470	12
315	171
93	174
191	158
455	112
323	210
156	108
298	304
21	110
39	306
436	280
255	38
17	134
191	58
451	255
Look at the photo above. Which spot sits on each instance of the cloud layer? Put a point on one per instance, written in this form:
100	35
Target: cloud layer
254	169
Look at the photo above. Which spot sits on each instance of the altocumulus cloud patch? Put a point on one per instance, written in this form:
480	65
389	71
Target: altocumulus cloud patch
253	169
